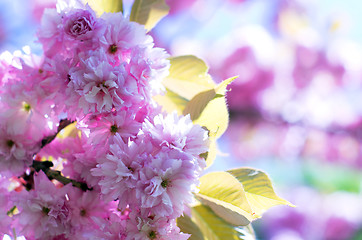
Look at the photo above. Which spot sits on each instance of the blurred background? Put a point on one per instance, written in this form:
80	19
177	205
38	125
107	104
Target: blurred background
295	110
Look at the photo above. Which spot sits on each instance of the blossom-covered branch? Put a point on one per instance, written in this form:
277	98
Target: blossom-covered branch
142	164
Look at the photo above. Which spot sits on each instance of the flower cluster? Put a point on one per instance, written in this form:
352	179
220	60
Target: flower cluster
135	166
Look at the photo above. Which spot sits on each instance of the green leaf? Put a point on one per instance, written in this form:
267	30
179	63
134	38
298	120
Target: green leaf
101	6
258	189
215	228
148	12
226	197
209	109
186	225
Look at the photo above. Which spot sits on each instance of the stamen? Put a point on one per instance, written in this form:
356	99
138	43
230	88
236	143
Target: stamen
165	183
45	210
114	129
113	48
10	143
83	212
152	235
26	106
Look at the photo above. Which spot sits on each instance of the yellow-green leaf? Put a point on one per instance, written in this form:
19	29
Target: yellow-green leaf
211	154
198	103
209	109
191	90
225	195
258	188
215	228
188	76
101	6
186	225
69	131
13	211
221	88
148	12
171	102
215	116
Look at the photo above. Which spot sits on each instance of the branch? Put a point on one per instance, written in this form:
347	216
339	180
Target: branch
46	165
62	124
57	175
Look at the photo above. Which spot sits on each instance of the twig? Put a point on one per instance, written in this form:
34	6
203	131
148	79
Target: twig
62	124
57	175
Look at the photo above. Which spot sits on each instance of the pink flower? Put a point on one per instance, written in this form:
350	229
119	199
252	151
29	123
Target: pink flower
84	162
56	84
5	206
112	228
15	152
43	213
119	171
142	226
147	67
176	132
157	175
103	128
85	208
26	116
127	42
166	183
70	29
79	24
23	111
96	86
6	68
121	35
38	7
49	35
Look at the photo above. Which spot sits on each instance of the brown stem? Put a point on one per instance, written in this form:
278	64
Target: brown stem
62	124
57	175
46	165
